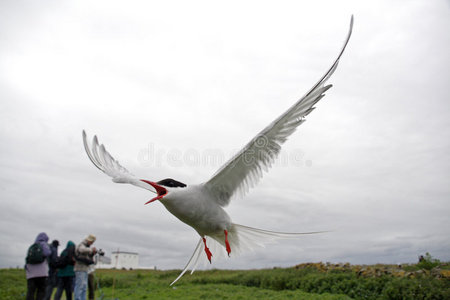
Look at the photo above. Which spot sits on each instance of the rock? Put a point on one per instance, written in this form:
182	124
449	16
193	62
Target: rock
399	273
445	273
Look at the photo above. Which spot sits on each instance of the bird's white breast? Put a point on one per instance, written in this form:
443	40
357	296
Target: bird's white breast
193	206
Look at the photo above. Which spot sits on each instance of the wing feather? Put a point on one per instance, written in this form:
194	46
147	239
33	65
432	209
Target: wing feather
110	166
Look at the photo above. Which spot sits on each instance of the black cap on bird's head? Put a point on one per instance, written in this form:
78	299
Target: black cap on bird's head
169	182
161	186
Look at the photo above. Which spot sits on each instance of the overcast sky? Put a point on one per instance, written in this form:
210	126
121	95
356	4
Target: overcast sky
166	85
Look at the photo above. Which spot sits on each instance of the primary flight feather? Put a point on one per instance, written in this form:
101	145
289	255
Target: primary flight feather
201	205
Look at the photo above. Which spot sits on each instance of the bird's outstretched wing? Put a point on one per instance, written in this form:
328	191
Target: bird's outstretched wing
245	169
108	165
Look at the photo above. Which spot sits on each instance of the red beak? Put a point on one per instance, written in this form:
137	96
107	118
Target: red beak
161	191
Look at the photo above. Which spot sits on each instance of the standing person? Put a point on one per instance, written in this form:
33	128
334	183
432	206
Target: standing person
52	261
84	258
66	272
37	267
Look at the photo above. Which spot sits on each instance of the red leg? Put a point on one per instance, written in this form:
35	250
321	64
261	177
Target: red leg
208	253
227	244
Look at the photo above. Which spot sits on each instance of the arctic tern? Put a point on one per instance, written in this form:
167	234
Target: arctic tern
201	205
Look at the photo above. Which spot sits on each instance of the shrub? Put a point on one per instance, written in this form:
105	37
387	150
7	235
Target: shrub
428	262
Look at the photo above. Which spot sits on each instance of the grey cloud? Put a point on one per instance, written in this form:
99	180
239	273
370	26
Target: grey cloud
378	142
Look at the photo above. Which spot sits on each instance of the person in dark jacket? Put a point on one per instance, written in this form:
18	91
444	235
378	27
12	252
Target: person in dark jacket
66	274
37	273
52	260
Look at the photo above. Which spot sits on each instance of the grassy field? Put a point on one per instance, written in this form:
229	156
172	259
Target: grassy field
308	281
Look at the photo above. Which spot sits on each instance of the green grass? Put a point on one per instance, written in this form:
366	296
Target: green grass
155	285
12	284
289	283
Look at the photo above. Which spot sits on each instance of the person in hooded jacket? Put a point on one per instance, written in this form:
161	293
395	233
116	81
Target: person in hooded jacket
37	273
66	274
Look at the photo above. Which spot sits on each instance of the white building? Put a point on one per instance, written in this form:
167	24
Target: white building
119	260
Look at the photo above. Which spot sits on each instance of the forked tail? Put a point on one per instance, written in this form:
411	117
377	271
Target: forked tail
241	238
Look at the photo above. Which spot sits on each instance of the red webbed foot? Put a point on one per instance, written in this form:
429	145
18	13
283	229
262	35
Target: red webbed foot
208	253
227	244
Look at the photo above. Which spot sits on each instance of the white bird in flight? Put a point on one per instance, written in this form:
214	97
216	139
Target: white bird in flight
201	205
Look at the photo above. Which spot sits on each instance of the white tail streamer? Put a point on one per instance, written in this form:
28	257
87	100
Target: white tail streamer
241	238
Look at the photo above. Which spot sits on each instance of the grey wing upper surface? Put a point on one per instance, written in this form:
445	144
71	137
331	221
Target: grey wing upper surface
245	169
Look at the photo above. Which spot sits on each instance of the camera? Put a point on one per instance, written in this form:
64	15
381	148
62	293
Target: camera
101	252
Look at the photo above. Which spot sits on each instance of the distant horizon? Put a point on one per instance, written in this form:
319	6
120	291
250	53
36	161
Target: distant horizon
262	268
